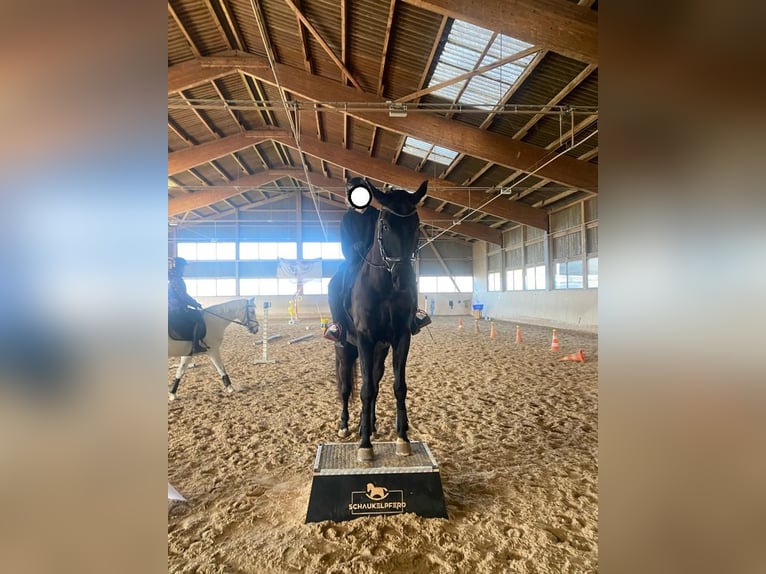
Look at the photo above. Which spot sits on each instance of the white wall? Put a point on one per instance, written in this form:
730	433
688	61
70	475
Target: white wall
564	308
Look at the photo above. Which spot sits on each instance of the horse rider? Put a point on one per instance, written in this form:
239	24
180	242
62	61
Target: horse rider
357	233
183	309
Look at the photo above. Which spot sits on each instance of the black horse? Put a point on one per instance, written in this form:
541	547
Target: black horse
381	307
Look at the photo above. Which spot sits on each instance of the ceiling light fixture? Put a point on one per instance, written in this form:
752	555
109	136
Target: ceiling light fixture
397	110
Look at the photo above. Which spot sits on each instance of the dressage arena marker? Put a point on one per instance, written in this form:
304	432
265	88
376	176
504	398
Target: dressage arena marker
344	489
265	342
299	339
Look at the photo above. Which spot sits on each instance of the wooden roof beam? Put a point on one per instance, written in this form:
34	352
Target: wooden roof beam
204	198
386	39
336	187
406	178
182	28
373	168
555	25
325	46
185	159
433	128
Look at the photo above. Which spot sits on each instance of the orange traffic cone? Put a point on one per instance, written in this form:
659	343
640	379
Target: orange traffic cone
555	342
578	356
492	330
518	334
459	324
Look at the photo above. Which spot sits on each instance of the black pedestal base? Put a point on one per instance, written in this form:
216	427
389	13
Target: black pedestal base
343	489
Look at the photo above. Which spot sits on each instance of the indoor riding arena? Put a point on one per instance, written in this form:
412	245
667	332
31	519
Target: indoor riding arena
277	111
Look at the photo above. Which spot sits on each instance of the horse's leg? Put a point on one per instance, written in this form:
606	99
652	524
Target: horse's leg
366	351
185	361
377	374
344	372
215	357
401	350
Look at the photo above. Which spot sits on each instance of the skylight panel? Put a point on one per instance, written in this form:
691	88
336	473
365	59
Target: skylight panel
428	152
462	53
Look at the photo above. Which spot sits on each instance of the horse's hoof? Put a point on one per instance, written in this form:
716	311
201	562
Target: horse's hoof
403	447
171	396
364	455
343	433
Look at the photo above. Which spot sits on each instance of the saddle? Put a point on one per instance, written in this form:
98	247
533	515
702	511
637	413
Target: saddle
181	327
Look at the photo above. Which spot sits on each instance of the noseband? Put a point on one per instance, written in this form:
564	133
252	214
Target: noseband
391	262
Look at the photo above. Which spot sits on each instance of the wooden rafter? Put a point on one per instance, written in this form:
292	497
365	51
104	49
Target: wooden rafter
428	216
239	44
385	172
387	37
182	28
457	136
556	99
179	132
205	198
325	46
408	179
185	159
453	135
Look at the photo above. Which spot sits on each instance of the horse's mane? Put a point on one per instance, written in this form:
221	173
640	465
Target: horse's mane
228	306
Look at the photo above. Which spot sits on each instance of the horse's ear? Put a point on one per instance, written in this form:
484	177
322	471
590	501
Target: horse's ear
376	193
421	192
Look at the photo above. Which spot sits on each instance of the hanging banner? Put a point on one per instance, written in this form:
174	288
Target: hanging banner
299	270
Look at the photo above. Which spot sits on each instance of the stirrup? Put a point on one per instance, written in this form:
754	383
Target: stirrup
333	332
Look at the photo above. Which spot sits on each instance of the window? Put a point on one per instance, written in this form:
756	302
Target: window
445	284
427	284
535	277
427	151
568	275
592	272
514	280
325	250
514	267
206	251
494	278
268	250
316	286
221	287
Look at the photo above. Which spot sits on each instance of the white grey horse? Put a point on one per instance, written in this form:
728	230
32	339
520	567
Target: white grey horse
217	318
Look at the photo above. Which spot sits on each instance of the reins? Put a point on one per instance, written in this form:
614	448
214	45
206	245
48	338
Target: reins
237	321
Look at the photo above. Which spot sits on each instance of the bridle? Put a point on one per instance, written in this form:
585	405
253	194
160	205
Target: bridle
390	262
250	323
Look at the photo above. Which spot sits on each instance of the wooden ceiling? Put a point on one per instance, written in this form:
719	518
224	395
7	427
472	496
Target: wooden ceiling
284	96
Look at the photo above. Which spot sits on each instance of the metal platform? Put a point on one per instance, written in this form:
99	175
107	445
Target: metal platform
340	458
343	489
